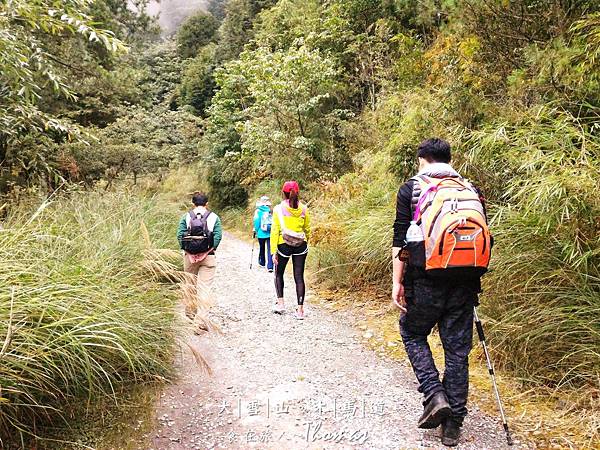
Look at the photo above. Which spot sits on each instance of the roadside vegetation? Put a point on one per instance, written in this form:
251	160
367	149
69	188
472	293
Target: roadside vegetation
88	325
81	316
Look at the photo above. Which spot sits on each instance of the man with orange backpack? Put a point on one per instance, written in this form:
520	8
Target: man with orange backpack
441	248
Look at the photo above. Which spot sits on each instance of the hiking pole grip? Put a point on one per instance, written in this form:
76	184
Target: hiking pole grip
479	330
478	326
481	335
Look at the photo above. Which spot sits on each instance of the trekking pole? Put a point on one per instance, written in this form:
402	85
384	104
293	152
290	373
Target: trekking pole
252	254
491	371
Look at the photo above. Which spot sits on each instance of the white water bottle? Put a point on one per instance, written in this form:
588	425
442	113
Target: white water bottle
414	233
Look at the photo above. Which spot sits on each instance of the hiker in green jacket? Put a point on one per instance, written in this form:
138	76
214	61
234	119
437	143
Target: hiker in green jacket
199	235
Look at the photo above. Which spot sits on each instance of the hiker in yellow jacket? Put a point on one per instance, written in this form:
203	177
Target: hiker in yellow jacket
290	232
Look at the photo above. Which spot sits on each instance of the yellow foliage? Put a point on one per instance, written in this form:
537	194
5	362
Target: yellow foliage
454	61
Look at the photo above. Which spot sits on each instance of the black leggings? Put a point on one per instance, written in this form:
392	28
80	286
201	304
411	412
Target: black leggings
298	262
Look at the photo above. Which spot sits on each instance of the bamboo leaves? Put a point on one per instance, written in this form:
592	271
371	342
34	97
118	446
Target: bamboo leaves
28	65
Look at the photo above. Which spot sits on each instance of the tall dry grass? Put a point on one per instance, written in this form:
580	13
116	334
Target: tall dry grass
80	314
543	293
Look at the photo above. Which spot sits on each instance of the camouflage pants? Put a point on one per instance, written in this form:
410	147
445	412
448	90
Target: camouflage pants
450	306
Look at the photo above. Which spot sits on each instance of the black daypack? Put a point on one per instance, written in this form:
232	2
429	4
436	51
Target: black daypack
198	238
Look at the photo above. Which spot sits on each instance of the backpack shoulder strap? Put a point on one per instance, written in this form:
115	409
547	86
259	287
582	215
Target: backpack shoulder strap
279	214
421	179
420	183
204	220
470	185
429	187
192	215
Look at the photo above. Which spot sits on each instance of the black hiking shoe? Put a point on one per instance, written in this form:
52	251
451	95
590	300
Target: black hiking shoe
436	410
450	433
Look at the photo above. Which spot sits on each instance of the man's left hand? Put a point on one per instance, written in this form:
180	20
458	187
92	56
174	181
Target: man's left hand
398	296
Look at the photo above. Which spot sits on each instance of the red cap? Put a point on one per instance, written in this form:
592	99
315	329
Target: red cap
289	186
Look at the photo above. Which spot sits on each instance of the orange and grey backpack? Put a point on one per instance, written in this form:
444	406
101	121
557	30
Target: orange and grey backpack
456	239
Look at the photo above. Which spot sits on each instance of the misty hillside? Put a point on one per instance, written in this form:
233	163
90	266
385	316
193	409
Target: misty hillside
173	12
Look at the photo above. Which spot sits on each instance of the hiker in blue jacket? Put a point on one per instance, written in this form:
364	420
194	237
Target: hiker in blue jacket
263	218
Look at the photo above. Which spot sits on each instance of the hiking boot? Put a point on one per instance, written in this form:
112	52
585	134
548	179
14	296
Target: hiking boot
436	410
200	329
450	433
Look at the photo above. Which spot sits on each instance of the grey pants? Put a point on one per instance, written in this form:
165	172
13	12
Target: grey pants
450	307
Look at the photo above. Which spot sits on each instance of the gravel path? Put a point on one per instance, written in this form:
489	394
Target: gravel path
279	383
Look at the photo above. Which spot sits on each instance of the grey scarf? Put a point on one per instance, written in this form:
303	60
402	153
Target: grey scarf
439	170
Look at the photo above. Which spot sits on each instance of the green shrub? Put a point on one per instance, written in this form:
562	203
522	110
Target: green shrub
353	219
196	32
275	114
197	84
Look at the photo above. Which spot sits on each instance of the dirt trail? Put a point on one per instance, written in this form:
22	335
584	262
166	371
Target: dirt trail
279	383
